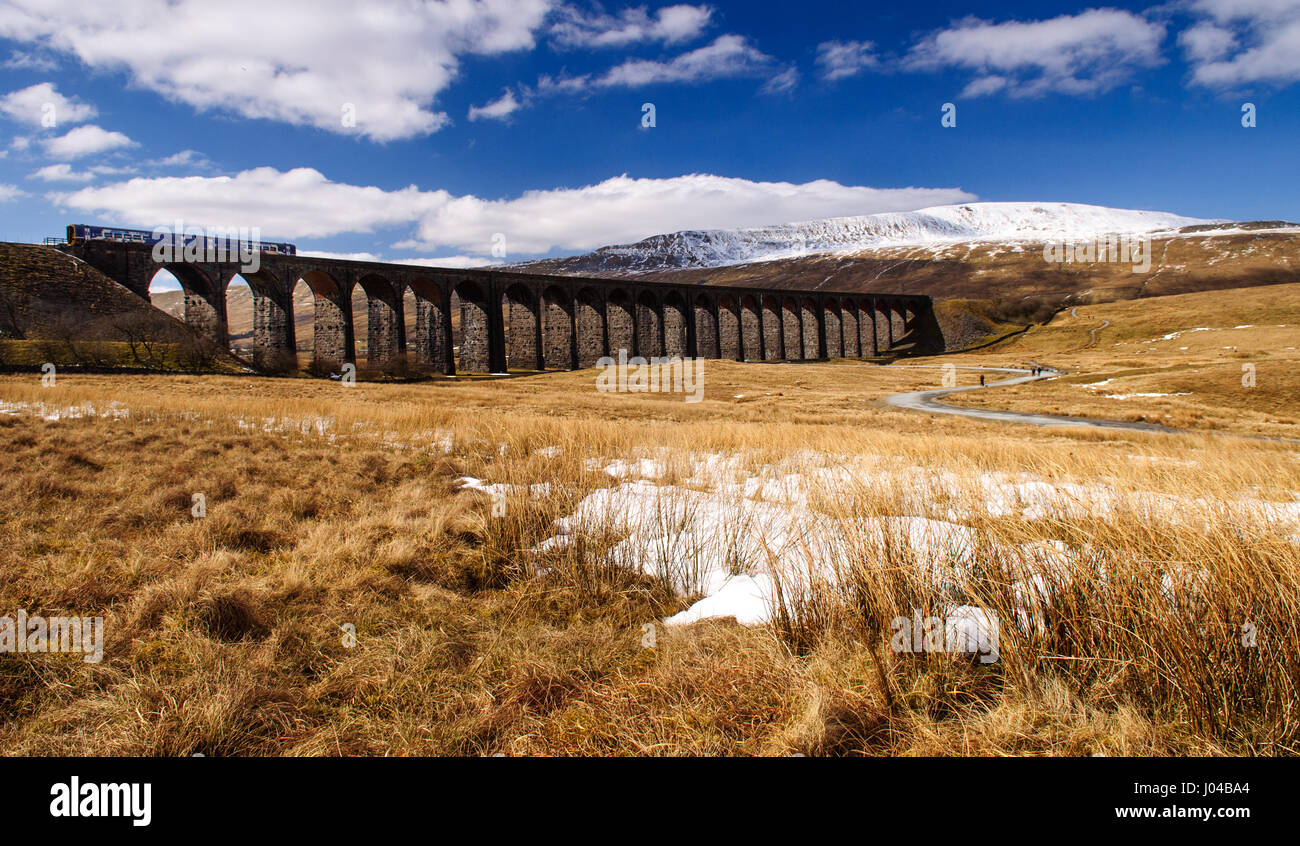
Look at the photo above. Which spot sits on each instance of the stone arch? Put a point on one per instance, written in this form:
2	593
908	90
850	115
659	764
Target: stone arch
304	318
792	334
866	329
751	335
676	337
897	322
522	324
620	327
883	327
333	341
205	301
431	341
557	329
589	320
274	337
385	325
834	335
849	329
649	325
706	328
773	349
475	347
729	328
811	334
160	282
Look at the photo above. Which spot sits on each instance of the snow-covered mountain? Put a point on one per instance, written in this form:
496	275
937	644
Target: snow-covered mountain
969	222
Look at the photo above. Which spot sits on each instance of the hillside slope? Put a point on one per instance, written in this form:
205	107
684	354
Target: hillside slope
992	251
43	291
1182	263
56	308
970	223
1224	360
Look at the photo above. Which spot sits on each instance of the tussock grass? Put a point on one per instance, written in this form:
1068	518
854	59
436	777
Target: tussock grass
333	510
1177	360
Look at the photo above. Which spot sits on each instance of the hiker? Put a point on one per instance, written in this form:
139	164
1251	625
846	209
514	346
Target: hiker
981	380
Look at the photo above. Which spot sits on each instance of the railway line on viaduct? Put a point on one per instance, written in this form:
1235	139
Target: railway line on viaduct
521	321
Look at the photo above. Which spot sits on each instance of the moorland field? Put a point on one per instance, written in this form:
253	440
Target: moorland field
479	566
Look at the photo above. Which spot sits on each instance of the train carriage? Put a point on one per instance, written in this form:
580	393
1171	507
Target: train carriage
83	232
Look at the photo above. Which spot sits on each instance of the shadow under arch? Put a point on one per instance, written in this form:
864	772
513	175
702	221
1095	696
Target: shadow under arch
849	329
431	342
385	326
474	351
729	328
649	325
751	339
619	325
706	327
589	321
519	316
205	302
558	348
274	341
333	340
811	335
676	326
770	321
831	324
791	329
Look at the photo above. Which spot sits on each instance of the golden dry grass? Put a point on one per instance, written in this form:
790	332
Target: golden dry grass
1180	361
331	506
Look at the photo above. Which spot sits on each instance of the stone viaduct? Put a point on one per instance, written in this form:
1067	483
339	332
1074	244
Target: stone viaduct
521	321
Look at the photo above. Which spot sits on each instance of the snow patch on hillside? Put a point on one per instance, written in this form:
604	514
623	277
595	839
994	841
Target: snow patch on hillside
969	222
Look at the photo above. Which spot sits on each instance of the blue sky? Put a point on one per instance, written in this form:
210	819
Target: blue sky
518	123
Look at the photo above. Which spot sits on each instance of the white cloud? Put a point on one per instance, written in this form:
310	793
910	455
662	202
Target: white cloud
989	84
449	261
298	203
302	203
31	105
85	140
670	25
361	256
20	60
192	159
499	109
8	193
1206	42
782	83
296	61
624	209
1244	41
443	261
840	59
61	173
1087	53
727	57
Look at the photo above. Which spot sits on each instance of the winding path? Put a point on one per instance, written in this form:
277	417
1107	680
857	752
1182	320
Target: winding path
929	401
1092	333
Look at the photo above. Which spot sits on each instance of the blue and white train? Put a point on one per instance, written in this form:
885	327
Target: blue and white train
82	232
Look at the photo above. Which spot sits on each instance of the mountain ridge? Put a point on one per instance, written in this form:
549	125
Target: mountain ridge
1013	222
